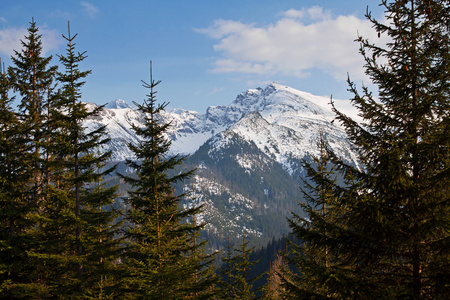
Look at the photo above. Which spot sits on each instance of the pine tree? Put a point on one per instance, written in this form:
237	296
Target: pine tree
389	230
161	257
313	262
203	278
75	246
32	77
236	282
86	224
58	235
273	289
102	273
14	196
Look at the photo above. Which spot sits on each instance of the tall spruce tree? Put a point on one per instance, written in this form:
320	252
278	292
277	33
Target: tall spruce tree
389	230
15	265
312	257
162	255
79	226
58	235
236	282
32	78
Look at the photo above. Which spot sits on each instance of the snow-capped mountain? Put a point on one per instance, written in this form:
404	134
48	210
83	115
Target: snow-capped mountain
283	122
118	117
118	104
247	154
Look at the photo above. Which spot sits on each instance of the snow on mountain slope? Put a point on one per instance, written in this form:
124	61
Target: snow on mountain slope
118	104
118	122
247	154
286	124
283	122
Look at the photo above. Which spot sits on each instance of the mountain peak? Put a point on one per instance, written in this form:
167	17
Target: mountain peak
269	89
275	86
278	99
118	104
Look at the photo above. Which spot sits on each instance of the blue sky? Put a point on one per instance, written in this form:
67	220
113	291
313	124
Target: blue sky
206	51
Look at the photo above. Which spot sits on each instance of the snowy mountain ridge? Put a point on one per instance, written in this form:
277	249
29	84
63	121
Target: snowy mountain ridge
248	155
284	123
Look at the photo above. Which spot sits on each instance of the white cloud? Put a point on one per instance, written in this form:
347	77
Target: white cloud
317	13
51	40
294	13
301	40
223	28
90	9
216	90
10	40
307	15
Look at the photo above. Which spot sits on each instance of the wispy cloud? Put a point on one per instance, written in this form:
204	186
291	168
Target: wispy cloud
90	9
10	40
301	40
61	14
216	90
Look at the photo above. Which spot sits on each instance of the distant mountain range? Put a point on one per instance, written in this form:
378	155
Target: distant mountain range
247	154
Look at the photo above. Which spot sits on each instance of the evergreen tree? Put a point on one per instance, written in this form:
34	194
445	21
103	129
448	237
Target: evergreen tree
273	290
86	225
58	234
14	196
162	255
203	278
388	231
102	246
236	267
312	259
70	229
32	77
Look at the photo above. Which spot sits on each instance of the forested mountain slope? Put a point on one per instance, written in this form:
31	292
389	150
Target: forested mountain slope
247	154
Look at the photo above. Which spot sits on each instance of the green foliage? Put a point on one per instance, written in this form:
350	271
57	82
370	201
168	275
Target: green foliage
22	187
386	226
315	264
164	259
57	234
90	244
235	271
33	79
267	185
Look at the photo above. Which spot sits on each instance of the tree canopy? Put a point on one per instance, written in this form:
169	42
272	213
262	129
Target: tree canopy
386	224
